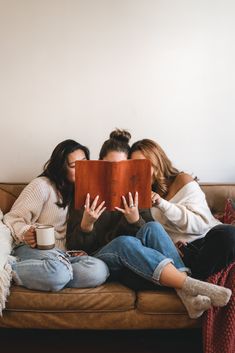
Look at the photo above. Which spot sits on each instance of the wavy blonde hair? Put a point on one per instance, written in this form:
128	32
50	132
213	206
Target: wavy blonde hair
163	170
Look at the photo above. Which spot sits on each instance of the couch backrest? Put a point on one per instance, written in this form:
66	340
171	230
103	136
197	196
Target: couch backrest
216	195
8	194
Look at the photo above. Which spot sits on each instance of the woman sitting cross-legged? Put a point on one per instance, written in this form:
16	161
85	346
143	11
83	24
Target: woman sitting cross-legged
45	201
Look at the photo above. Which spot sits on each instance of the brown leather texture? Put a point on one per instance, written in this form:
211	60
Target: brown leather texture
112	180
159	302
110	306
126	320
8	195
106	298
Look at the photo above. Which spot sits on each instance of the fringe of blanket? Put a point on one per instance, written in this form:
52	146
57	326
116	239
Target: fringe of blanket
5	282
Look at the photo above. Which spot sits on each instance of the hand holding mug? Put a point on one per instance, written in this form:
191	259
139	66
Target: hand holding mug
29	237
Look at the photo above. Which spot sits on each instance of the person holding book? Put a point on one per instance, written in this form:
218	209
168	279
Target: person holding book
128	239
206	245
45	201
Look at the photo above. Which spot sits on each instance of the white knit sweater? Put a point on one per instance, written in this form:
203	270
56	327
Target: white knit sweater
37	205
187	215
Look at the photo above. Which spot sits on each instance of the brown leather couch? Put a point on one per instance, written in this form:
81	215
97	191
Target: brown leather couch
110	306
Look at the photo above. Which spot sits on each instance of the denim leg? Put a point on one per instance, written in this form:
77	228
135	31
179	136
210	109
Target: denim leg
143	254
153	235
127	251
46	270
88	272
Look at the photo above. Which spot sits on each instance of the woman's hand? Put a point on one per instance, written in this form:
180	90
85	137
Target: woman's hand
29	237
179	246
156	199
130	212
91	213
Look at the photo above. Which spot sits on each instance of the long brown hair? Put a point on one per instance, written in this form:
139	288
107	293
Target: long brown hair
163	169
55	169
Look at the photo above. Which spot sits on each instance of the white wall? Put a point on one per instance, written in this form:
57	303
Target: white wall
163	69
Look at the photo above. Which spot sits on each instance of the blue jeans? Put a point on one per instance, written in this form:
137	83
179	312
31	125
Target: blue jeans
146	254
52	270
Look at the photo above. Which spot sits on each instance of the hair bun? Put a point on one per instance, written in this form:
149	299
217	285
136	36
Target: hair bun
120	135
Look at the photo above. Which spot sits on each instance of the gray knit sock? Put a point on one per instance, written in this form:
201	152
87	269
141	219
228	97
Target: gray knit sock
218	295
195	305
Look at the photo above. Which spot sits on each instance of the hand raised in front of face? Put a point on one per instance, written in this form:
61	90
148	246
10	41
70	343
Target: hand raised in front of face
130	210
91	213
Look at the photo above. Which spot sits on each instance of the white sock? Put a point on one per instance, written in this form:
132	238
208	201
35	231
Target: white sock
218	295
195	305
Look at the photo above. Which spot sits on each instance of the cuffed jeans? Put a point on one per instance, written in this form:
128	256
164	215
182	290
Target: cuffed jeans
146	254
52	270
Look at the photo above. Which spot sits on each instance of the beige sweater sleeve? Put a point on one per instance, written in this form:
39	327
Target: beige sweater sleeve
188	212
187	218
26	209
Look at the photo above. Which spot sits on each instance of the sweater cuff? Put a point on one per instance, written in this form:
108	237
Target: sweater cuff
164	205
139	223
19	236
136	225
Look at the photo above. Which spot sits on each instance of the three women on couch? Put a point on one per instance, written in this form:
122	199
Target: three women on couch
125	239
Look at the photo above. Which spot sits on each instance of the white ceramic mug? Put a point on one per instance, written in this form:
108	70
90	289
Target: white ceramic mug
45	235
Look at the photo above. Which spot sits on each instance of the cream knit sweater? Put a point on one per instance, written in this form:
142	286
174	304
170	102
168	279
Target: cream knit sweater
37	205
186	216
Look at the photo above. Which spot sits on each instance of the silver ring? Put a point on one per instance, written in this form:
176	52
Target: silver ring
131	205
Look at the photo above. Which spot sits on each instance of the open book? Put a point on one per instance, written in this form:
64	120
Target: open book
111	180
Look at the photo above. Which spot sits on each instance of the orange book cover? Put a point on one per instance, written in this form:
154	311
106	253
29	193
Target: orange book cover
111	180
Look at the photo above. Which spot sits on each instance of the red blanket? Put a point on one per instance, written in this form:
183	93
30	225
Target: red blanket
218	324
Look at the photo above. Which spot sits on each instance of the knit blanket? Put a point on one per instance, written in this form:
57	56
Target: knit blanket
6	242
218	324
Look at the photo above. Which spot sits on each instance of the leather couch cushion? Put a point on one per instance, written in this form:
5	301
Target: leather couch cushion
159	301
8	195
108	297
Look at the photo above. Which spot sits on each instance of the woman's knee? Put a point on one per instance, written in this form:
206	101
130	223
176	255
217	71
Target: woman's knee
100	272
151	230
153	227
59	273
89	272
123	241
46	275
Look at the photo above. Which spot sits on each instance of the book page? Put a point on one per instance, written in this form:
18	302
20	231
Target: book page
111	180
